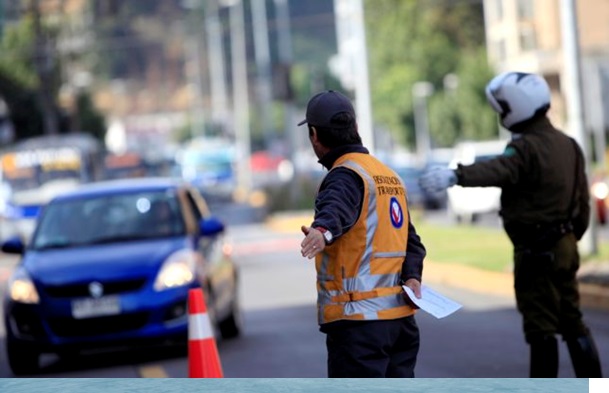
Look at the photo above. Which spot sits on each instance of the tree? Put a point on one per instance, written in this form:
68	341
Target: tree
412	41
24	63
18	80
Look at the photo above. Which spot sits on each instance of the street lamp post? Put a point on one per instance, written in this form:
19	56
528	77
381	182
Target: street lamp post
263	66
572	82
192	68
217	75
420	92
240	91
351	36
292	133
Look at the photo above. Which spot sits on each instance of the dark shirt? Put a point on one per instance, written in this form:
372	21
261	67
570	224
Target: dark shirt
339	203
541	175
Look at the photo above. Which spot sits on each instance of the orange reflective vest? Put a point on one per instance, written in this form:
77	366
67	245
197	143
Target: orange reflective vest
358	276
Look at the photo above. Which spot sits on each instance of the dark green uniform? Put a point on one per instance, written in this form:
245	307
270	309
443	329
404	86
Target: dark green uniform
545	211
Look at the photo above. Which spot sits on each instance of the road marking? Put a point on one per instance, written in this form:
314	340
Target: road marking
152	372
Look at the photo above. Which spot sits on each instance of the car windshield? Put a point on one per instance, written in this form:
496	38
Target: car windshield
109	218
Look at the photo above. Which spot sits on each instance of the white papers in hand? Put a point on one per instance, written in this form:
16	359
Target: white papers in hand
432	302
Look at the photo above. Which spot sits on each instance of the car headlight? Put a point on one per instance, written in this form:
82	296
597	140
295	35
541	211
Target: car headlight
21	288
600	190
177	270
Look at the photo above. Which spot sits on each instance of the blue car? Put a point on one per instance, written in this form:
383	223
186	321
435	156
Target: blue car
111	264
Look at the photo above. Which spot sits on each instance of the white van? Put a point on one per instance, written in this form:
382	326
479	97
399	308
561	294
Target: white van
465	204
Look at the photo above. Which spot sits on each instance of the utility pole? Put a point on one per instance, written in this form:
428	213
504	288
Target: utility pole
217	74
421	91
284	37
43	62
241	110
572	81
263	66
192	68
351	35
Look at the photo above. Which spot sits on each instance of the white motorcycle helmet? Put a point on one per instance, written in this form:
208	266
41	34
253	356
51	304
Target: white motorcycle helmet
518	97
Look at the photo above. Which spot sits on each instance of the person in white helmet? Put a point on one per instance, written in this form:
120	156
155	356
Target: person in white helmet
545	211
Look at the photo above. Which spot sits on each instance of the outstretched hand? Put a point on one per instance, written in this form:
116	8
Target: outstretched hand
313	242
437	179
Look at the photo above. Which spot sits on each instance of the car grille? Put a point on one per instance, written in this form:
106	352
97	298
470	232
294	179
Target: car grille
82	290
68	327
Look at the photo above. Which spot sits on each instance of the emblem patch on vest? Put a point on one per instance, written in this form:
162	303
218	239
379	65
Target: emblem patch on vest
395	212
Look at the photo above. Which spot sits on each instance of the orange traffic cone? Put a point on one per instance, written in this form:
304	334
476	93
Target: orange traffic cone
203	358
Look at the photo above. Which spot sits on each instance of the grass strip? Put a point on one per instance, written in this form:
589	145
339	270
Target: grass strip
477	246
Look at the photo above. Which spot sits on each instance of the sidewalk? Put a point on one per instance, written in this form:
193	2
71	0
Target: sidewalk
594	277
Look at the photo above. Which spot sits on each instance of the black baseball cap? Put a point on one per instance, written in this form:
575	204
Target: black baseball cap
322	107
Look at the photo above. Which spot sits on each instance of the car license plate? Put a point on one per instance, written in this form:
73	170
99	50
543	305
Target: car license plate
88	308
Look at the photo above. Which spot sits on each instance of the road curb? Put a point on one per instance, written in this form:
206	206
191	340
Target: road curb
289	222
594	296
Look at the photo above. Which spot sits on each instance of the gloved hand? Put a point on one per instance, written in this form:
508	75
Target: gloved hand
437	179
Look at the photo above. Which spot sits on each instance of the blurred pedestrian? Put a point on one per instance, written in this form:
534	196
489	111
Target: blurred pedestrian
365	249
545	211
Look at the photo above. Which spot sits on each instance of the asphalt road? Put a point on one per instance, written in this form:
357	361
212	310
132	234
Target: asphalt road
281	339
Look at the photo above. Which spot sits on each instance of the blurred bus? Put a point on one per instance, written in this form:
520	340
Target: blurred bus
35	170
126	165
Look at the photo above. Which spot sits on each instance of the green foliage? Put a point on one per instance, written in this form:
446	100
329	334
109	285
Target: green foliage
90	120
464	114
308	79
20	82
412	41
18	79
15	59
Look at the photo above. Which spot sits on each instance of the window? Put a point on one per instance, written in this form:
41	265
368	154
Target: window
526	9
497	10
500	50
527	39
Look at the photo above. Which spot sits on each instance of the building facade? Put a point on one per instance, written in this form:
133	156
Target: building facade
526	35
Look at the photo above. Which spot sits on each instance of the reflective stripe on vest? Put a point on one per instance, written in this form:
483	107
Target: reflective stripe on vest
358	275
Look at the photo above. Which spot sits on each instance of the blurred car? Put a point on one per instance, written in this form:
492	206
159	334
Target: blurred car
465	204
417	197
410	176
111	264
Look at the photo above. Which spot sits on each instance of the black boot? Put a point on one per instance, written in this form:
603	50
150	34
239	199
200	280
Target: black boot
544	357
584	357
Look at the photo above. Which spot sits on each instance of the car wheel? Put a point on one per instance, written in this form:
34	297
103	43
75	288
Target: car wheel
22	359
232	325
465	218
211	311
452	214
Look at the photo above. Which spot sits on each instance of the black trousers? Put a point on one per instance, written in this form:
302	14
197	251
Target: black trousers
546	290
372	349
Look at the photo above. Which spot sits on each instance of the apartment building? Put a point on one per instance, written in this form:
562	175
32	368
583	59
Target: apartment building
526	35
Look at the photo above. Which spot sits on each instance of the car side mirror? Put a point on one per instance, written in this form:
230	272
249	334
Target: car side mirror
14	245
210	226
